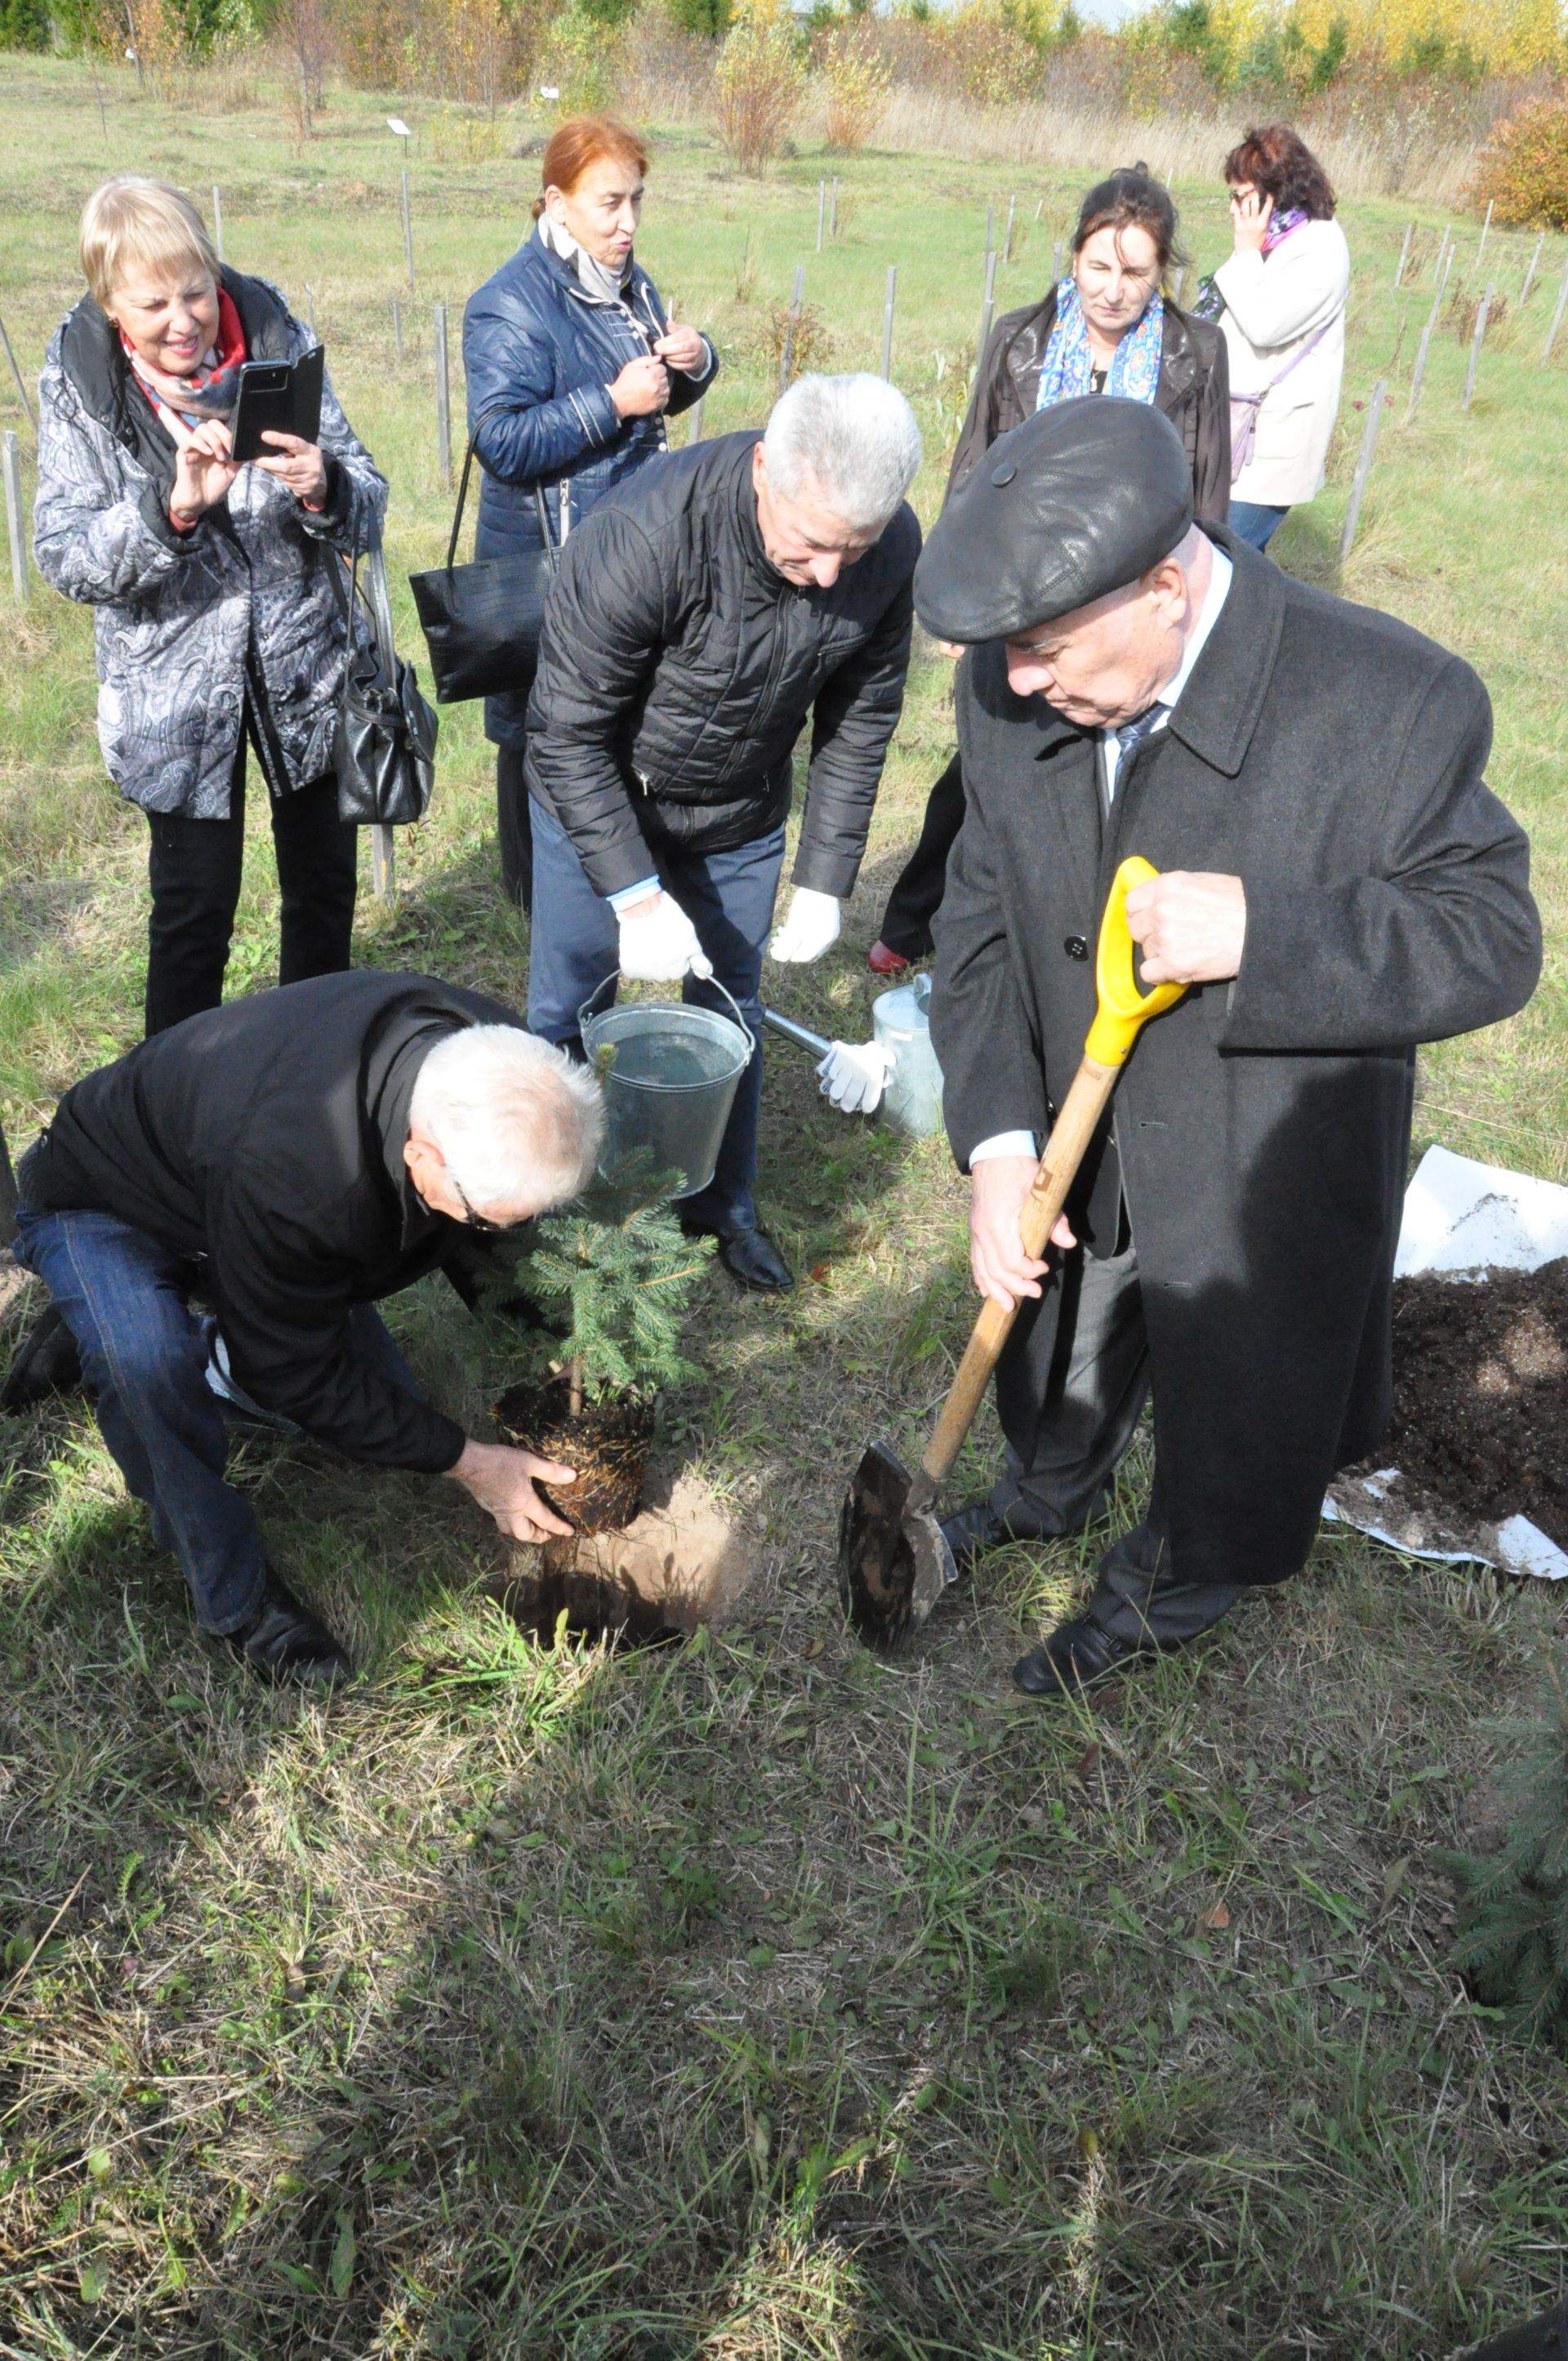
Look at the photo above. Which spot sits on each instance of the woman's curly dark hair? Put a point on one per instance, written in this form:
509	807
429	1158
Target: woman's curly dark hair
1279	164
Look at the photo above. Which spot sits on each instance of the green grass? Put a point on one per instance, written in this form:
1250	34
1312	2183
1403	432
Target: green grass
753	2000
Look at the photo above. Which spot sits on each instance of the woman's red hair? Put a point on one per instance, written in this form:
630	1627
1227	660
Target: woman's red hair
582	141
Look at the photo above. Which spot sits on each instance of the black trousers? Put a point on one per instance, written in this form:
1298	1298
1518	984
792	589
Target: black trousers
918	896
514	826
195	868
1071	1386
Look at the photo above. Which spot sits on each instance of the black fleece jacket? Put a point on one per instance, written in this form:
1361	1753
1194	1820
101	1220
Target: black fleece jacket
678	668
264	1141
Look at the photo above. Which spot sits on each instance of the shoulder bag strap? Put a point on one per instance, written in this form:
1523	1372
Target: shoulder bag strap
539	501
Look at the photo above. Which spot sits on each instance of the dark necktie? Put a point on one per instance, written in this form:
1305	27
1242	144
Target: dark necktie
1133	733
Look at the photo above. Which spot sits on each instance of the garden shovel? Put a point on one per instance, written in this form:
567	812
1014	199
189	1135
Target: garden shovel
893	1563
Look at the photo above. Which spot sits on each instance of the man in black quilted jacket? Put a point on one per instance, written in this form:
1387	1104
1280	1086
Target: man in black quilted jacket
698	615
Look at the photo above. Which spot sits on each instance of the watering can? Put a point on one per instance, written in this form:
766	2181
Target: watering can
901	1024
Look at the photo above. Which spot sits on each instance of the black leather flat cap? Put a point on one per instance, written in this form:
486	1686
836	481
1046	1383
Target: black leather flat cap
1078	501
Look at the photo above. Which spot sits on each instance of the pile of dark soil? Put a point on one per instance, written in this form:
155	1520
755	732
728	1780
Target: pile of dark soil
1481	1392
607	1443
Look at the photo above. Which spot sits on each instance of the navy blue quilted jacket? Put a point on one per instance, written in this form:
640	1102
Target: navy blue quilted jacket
540	355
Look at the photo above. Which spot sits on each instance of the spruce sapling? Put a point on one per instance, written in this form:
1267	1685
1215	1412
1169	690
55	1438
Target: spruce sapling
624	1283
1513	1939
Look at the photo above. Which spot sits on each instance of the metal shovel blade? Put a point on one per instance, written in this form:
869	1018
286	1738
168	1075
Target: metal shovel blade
894	1562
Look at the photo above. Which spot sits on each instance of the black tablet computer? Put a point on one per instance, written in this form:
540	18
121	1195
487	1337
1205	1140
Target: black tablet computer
278	397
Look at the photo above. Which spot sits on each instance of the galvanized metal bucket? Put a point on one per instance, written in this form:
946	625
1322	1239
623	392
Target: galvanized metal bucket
669	1070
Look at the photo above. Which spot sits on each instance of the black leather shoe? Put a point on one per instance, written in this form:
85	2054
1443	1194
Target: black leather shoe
972	1529
46	1363
1077	1655
284	1642
751	1257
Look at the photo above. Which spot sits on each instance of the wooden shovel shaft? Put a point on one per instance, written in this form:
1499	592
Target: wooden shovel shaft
1071	1134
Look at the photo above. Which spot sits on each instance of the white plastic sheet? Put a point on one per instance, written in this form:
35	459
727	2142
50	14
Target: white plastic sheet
1462	1216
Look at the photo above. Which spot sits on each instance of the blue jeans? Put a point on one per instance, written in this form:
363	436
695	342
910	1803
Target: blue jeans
575	945
1256	522
144	1360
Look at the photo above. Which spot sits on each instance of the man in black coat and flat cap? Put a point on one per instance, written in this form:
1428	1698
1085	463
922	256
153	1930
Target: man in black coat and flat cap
1338	885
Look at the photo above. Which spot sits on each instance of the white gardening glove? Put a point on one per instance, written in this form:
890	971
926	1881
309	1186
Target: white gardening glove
811	924
855	1078
658	942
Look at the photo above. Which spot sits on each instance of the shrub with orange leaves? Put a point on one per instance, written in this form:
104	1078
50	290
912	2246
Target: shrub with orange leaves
1522	170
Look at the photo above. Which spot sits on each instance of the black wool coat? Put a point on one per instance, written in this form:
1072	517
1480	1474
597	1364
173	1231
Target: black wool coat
1332	759
264	1141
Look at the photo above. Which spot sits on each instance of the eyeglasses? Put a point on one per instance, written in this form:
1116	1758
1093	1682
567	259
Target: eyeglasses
480	1222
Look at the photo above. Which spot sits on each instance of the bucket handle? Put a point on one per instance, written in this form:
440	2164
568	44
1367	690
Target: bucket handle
587	1008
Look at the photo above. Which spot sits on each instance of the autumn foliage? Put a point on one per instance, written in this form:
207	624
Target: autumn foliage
1522	171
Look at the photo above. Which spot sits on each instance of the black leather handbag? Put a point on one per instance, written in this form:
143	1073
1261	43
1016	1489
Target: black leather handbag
482	620
383	750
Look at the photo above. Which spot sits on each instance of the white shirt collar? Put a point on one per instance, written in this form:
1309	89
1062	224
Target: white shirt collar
1214	598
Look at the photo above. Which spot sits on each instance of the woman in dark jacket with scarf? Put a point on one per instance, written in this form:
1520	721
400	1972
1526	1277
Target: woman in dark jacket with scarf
217	618
573	367
1107	328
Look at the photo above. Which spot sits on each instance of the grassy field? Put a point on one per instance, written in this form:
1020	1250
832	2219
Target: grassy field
750	1999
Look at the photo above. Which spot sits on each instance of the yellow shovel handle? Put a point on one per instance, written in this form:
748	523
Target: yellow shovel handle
1123	1007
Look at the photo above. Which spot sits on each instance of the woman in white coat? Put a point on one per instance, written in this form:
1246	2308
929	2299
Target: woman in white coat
1285	289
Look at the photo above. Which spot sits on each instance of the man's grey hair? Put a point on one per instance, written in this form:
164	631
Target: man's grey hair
853	439
518	1122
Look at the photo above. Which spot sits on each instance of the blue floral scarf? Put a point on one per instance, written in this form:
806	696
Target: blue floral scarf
1069	366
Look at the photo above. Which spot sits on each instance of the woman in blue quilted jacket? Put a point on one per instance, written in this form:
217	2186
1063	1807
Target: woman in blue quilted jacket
573	367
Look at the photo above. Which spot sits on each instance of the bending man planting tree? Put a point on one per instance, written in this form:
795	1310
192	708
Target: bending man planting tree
699	614
292	1158
1337	885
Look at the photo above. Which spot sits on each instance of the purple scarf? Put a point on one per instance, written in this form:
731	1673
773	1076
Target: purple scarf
1280	227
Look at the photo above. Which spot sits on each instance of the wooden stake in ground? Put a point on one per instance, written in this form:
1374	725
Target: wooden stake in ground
15	525
1530	268
1362	468
442	397
695	414
1481	311
1441	251
408	233
1420	368
398	328
821	212
1481	243
889	300
217	222
986	309
309	307
7	1194
833	208
797	297
1180	284
1404	253
383	840
1056	262
1556	318
1007	234
989	234
16	373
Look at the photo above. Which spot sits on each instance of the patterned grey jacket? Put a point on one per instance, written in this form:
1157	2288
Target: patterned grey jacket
192	626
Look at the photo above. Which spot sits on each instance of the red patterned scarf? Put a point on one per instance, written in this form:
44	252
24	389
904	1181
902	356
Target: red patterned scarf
217	380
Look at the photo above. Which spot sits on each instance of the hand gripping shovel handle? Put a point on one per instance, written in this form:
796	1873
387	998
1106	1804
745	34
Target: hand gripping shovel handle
1122	1012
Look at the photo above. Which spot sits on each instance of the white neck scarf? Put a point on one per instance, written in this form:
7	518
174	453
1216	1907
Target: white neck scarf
596	278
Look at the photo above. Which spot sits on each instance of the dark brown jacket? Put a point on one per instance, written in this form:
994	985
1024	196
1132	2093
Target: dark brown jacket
1194	391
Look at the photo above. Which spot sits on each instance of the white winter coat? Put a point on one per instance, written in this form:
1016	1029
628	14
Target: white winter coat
1274	304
